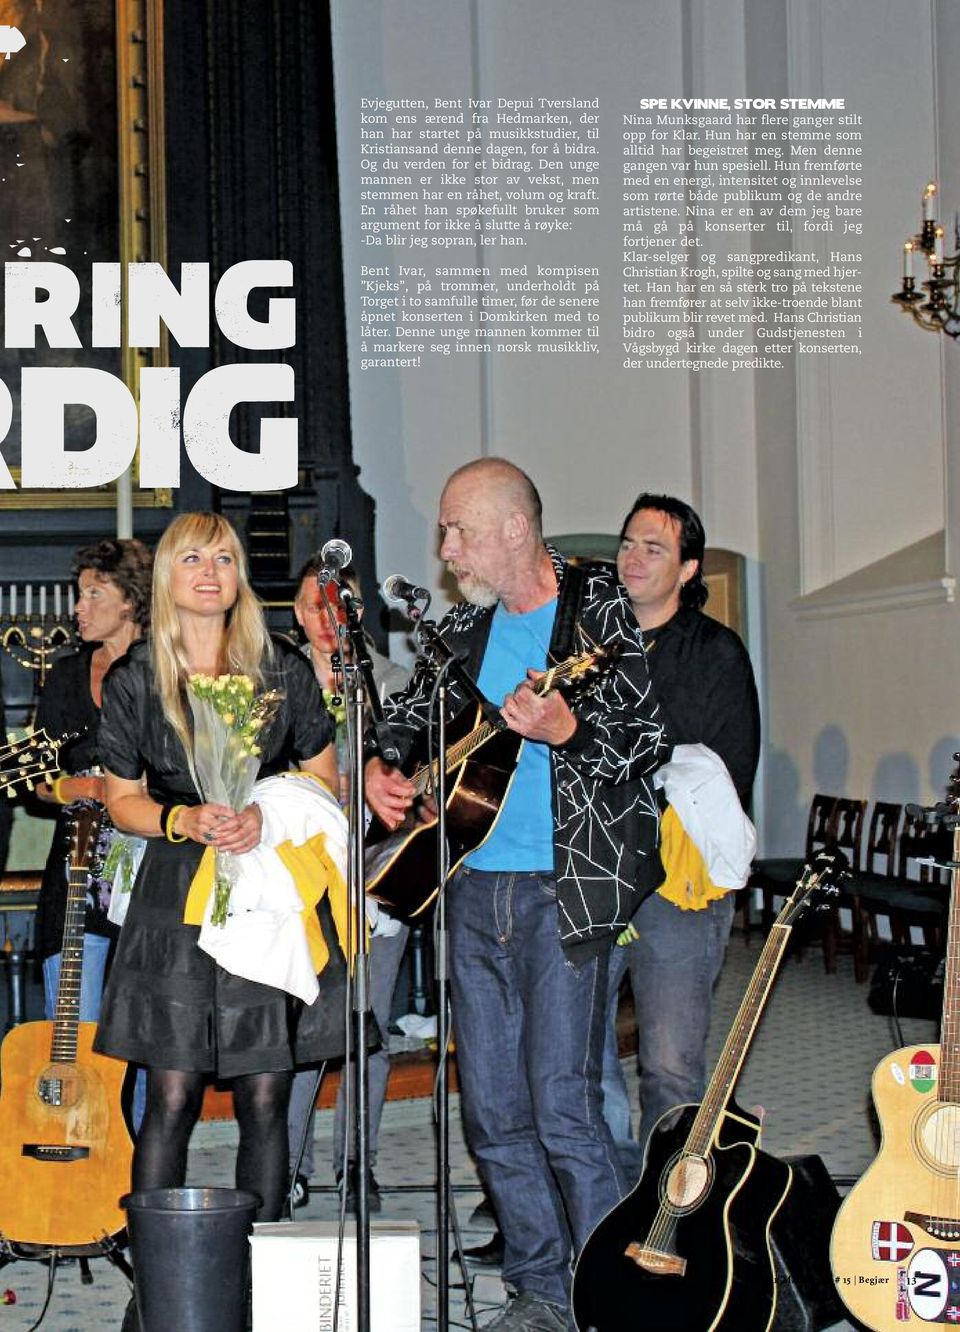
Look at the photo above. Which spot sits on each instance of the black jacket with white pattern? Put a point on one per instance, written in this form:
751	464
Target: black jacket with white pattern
605	814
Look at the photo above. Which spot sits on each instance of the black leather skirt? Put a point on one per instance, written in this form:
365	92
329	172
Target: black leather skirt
167	1004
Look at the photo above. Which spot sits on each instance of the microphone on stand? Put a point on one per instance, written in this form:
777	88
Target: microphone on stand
335	556
396	588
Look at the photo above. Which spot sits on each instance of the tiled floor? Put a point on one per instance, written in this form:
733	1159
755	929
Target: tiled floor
810	1069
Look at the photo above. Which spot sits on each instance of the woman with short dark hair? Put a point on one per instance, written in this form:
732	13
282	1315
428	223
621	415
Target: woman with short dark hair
113	581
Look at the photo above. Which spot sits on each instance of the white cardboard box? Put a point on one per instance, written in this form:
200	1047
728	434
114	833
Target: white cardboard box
294	1276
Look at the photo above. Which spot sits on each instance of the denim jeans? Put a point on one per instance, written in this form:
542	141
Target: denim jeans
529	1030
96	948
673	968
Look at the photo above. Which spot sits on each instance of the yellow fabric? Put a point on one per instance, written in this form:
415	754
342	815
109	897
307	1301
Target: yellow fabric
687	885
314	874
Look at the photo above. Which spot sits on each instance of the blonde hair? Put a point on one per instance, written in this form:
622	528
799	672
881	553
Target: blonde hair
246	643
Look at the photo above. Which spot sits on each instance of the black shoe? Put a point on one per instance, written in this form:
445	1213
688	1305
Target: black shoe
374	1200
483	1213
483	1255
300	1191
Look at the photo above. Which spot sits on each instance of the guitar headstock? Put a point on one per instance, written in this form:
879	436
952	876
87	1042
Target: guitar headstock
818	886
25	762
581	668
84	830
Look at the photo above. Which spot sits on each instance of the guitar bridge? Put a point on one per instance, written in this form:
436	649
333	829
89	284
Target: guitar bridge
44	1151
655	1260
938	1227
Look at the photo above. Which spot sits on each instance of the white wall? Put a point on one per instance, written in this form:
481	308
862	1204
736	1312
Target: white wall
813	472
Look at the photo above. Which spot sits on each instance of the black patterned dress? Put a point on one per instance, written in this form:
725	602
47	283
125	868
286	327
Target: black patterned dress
167	1003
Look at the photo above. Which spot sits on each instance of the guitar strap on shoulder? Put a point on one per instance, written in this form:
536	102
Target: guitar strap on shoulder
569	600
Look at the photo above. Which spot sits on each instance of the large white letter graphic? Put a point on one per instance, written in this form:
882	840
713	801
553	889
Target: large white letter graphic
206	434
46	464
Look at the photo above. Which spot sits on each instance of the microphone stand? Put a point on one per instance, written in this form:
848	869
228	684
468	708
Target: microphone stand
364	693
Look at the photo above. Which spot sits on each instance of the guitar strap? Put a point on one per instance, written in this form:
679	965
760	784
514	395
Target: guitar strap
569	600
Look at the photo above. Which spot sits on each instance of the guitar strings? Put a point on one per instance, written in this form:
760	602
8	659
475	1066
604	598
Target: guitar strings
706	1124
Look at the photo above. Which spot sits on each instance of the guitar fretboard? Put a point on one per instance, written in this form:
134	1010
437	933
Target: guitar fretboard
948	1085
63	1046
737	1043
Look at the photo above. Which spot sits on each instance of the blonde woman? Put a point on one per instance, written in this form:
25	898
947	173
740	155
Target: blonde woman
167	1004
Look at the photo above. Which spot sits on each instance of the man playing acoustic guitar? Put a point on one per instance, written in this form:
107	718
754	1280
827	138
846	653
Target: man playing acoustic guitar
534	909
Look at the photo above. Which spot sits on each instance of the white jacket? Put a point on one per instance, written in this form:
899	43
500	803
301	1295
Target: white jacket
264	938
699	787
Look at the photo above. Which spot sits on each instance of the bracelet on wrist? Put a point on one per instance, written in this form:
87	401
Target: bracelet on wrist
168	819
56	788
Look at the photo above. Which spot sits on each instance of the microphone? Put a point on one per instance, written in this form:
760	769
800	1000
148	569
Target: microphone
335	556
396	588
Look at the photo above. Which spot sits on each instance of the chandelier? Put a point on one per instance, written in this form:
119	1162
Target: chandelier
938	311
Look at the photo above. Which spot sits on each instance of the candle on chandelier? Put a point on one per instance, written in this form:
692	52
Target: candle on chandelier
56	600
43	602
13	601
928	197
908	259
938	246
70	602
29	608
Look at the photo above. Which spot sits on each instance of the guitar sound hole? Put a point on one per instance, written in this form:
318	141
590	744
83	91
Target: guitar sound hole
687	1182
60	1085
939	1134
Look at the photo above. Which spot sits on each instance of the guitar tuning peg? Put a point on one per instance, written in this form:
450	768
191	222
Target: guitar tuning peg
11	738
28	783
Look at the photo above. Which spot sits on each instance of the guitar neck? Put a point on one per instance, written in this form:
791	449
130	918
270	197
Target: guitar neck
66	1016
85	826
722	1083
948	1084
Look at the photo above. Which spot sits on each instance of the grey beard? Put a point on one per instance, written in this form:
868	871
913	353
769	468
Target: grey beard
475	592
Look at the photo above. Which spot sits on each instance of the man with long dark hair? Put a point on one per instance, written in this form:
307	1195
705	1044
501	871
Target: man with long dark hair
704	684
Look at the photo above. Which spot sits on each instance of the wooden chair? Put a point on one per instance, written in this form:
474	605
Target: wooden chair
776	876
895	883
847	828
832	820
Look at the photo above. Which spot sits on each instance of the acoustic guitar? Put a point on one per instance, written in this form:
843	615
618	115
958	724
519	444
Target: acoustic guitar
689	1248
65	1151
895	1250
401	865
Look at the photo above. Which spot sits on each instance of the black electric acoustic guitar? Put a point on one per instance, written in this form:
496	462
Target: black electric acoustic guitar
689	1248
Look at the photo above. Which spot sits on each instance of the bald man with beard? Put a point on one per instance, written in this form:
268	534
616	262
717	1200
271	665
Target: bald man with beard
533	910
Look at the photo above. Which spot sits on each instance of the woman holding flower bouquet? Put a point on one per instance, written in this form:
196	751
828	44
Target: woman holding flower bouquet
168	1005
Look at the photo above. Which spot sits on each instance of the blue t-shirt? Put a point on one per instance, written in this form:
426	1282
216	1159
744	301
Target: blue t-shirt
522	838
